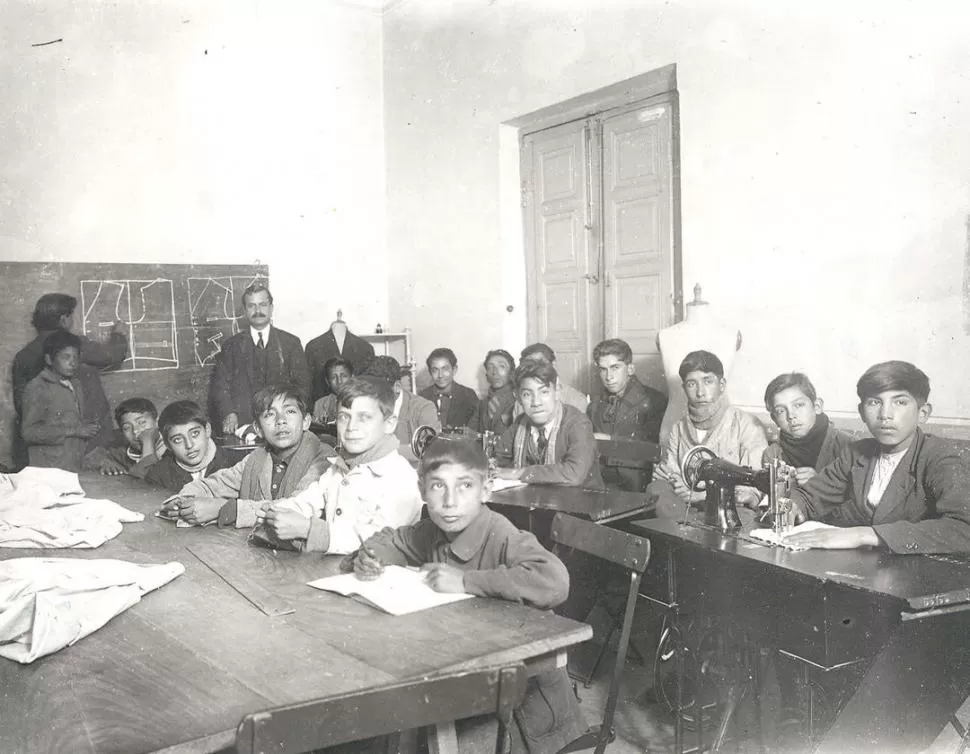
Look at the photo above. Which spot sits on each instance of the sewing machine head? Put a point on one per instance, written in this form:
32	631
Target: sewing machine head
424	435
721	478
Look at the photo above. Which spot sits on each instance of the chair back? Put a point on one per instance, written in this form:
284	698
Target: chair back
360	715
625	550
640	452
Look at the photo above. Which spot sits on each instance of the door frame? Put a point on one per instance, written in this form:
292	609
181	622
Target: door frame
661	84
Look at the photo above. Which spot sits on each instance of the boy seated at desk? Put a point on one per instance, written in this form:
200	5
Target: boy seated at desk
137	418
291	460
550	443
337	372
625	409
466	547
367	486
495	410
192	453
807	440
412	411
543	354
711	420
456	404
54	425
901	489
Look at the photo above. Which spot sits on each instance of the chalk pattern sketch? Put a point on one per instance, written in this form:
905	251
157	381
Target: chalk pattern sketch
215	311
146	307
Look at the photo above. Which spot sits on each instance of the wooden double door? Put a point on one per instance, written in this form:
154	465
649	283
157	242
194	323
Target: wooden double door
601	217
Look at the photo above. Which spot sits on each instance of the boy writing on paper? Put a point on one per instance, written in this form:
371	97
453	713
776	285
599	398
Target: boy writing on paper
463	546
901	489
367	486
807	441
291	461
192	454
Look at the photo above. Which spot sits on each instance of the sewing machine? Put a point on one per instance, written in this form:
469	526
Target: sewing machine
425	435
721	479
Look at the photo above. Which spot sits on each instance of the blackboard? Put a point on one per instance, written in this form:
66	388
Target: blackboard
175	317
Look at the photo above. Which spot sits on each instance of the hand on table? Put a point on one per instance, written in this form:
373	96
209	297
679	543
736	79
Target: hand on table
199	510
444	578
684	492
111	467
834	538
286	523
367	566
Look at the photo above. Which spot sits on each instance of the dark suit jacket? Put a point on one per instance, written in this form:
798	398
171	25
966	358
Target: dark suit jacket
323	348
463	411
925	508
575	453
234	378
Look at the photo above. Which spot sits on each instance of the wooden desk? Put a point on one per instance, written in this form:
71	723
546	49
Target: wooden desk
188	661
903	621
599	506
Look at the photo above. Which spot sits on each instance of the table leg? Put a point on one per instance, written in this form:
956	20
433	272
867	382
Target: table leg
442	739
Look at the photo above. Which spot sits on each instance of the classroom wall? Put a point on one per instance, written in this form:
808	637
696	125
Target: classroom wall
825	171
200	131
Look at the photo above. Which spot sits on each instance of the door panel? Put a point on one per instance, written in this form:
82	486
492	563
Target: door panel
637	237
561	262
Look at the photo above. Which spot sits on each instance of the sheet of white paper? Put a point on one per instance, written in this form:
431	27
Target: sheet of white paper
769	536
506	484
398	590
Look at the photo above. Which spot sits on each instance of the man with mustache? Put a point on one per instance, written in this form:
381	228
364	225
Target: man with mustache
250	360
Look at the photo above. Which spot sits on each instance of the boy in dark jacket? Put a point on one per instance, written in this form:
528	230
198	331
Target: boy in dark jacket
466	547
901	489
192	454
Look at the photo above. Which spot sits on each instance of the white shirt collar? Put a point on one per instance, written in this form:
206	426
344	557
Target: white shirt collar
254	334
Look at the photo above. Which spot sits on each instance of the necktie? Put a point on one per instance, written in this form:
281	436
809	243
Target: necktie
542	443
260	344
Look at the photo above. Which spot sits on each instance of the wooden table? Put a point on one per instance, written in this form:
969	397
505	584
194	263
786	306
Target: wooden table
188	661
897	627
599	506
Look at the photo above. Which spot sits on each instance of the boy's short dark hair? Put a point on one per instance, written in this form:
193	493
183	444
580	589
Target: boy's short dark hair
135	406
50	308
613	347
264	397
500	352
386	368
58	340
442	353
894	375
180	412
367	387
257	286
335	362
545	374
542	348
787	380
461	452
701	361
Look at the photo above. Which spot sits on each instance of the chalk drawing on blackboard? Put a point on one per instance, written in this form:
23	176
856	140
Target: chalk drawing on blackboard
145	307
215	311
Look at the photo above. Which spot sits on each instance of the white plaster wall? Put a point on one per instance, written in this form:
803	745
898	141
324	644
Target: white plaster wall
824	158
210	131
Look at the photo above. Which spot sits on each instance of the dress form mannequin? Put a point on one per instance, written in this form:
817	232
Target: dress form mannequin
698	332
339	329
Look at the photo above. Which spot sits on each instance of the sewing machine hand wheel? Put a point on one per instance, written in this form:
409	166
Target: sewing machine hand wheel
423	437
690	466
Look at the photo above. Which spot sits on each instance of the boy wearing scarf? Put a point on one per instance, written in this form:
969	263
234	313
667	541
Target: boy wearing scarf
368	486
290	461
550	443
711	420
192	455
807	440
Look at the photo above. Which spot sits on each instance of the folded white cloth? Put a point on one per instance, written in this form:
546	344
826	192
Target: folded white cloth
46	508
47	604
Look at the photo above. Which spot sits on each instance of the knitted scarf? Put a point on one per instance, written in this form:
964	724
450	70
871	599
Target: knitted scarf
708	415
251	486
521	441
383	447
800	452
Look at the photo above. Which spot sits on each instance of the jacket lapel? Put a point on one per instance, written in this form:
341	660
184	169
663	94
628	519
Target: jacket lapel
860	473
901	485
